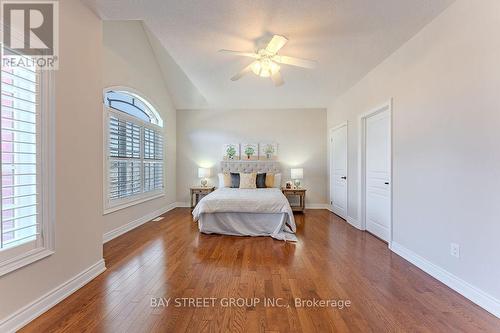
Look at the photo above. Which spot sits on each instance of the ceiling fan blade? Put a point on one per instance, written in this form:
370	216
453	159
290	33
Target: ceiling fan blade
277	79
239	53
276	44
244	71
295	61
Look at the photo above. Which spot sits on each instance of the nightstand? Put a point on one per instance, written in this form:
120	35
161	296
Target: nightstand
301	192
197	192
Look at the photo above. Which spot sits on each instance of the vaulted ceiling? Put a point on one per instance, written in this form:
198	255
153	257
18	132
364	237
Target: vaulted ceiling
347	38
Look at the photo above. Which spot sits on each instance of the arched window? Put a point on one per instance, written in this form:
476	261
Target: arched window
134	149
132	104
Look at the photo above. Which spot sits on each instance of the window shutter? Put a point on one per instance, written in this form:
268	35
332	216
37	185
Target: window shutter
134	150
125	153
19	157
124	139
153	160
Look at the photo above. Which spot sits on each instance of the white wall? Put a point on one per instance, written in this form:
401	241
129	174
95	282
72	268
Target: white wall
78	164
445	86
130	61
300	134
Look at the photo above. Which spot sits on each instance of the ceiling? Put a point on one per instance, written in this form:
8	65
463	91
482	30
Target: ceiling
347	38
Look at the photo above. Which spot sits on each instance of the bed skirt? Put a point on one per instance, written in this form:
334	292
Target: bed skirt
246	224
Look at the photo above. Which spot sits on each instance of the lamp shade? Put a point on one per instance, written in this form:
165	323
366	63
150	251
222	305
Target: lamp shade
297	173
203	172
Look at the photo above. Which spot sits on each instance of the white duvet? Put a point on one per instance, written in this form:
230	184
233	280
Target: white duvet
235	200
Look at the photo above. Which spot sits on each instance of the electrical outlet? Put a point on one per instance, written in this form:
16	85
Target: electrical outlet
455	250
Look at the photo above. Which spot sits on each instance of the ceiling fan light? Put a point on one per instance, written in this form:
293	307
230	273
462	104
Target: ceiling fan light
264	73
256	67
274	67
267	61
264	67
269	68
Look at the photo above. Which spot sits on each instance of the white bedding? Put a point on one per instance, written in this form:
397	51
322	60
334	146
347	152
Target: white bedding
242	224
257	201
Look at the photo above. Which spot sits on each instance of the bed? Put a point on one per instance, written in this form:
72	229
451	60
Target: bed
246	212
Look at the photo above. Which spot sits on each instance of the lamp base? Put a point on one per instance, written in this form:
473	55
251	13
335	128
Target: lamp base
296	182
204	182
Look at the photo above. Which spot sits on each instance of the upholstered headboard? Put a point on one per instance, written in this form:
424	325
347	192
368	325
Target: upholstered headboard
250	166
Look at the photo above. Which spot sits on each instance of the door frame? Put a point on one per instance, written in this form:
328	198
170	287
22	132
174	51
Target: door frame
330	165
387	106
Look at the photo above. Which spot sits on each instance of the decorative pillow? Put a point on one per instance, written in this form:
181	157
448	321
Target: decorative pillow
248	180
269	180
277	180
227	180
261	180
224	180
235	180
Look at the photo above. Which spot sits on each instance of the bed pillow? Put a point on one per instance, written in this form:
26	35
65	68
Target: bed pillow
221	180
227	179
270	180
248	180
224	180
261	180
235	180
277	180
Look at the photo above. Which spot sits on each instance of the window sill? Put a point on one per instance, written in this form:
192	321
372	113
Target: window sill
119	206
24	259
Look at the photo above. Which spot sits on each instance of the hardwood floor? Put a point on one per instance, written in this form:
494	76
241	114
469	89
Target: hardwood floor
332	260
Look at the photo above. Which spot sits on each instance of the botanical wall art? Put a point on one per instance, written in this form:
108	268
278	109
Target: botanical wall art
249	151
231	151
268	151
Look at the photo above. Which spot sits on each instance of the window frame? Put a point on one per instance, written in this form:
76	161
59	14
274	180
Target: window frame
110	206
25	254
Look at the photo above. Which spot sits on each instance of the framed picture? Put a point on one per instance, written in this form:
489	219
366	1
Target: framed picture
268	151
249	151
231	151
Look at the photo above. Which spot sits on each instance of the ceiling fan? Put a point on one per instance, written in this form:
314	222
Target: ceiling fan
267	61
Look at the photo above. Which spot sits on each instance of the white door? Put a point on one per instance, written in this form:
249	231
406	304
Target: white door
338	171
378	174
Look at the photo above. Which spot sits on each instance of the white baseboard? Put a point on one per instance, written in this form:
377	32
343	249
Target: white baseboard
351	220
354	222
134	224
182	204
31	311
476	295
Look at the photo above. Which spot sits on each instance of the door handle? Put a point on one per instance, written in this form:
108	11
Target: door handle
344	177
386	183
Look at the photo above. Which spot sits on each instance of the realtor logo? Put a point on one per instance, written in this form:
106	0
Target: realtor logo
30	33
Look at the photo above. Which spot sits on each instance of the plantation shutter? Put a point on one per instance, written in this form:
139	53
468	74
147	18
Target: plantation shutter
20	157
153	160
134	150
125	158
135	158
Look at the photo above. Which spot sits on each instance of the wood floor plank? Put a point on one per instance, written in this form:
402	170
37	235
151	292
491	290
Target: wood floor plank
332	260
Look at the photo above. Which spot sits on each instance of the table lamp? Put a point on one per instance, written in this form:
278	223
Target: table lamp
297	174
204	173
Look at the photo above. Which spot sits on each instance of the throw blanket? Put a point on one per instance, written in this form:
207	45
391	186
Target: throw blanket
235	200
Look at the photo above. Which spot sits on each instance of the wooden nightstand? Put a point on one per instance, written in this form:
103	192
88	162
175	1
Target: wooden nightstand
197	191
301	192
